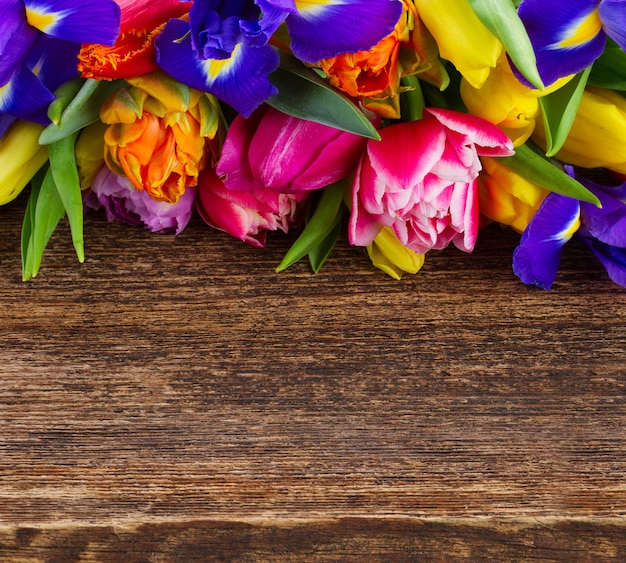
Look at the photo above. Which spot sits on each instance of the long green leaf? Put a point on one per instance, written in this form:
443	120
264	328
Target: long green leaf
324	219
536	169
500	17
558	111
303	94
44	211
80	111
63	167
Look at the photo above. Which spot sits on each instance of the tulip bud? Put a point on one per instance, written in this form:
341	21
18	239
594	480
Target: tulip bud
388	254
506	197
462	38
597	138
21	156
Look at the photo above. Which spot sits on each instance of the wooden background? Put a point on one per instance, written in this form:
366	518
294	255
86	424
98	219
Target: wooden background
173	399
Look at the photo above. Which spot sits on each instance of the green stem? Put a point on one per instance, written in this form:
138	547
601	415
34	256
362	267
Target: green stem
413	99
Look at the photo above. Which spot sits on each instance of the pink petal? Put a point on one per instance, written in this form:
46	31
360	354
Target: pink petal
407	151
488	138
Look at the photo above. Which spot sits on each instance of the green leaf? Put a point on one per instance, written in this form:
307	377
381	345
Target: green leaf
303	94
609	70
500	17
80	111
413	99
43	213
319	254
558	111
538	170
327	214
63	167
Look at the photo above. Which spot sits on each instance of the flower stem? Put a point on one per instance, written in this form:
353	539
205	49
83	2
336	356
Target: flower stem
413	99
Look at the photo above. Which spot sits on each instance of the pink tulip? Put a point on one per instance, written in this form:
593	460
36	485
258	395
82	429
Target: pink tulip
245	214
420	179
274	150
123	203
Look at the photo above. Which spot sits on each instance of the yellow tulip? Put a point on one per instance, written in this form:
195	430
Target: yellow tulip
504	101
461	37
598	135
506	197
21	156
388	254
90	153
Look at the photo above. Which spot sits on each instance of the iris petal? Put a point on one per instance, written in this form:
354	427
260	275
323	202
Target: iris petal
23	95
608	223
325	28
567	35
16	39
536	259
81	21
241	81
613	258
613	21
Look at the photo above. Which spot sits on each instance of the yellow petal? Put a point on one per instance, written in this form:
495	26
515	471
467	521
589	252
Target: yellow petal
392	257
21	156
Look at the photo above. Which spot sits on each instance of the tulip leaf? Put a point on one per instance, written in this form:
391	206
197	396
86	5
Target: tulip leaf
43	213
609	70
324	219
545	173
63	167
501	18
558	111
319	254
304	94
79	111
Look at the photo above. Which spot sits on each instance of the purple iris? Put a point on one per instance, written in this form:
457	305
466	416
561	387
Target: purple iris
569	35
224	47
536	259
39	41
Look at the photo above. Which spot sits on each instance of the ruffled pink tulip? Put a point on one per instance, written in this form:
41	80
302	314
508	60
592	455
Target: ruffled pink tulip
420	179
245	214
274	150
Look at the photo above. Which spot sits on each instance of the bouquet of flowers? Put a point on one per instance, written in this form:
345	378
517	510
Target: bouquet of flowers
407	124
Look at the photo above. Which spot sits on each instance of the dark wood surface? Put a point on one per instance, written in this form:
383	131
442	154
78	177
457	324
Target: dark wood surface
174	399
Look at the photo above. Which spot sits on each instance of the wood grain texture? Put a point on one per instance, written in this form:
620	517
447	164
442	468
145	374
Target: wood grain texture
173	398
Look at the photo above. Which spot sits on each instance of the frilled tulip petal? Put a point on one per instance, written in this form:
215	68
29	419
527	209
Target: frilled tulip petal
613	21
566	34
403	156
23	95
81	21
613	258
326	28
536	260
241	81
487	139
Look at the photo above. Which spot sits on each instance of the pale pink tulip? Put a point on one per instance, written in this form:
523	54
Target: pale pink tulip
245	214
273	150
420	180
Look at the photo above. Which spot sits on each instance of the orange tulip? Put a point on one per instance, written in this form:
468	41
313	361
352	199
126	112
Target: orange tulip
374	76
160	134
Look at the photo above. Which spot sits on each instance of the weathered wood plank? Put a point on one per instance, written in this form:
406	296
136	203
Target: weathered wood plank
174	395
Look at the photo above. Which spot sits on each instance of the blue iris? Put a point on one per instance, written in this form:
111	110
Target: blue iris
536	259
569	35
39	41
224	47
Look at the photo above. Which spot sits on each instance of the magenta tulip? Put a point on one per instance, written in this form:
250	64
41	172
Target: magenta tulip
421	180
274	150
245	214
